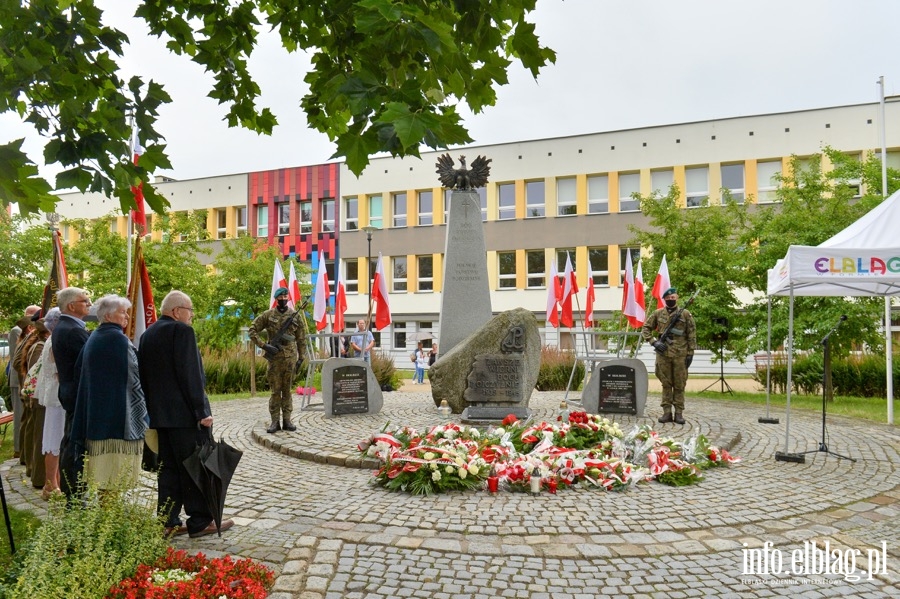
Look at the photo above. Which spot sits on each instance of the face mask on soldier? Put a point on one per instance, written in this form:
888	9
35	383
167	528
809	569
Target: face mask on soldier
282	305
670	303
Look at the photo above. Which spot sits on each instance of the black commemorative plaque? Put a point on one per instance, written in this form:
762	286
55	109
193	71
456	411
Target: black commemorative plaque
618	390
350	392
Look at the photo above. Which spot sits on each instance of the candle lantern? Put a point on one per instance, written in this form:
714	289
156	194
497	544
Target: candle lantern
535	480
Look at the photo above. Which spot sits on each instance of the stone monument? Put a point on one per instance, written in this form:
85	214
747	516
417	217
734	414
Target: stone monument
616	387
349	387
466	298
493	371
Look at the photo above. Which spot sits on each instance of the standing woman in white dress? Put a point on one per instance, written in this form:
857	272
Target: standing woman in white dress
47	392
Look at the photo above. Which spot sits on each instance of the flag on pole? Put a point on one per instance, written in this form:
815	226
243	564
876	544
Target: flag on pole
380	297
340	307
320	302
294	295
570	288
589	300
554	293
58	278
630	308
662	283
639	289
278	280
143	311
139	214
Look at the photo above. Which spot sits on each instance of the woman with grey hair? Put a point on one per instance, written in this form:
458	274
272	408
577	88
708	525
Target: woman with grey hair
47	393
110	417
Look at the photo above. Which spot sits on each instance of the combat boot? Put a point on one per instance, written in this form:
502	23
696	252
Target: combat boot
274	427
666	417
288	426
679	419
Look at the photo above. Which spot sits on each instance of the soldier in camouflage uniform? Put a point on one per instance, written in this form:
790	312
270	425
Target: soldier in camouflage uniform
289	355
672	366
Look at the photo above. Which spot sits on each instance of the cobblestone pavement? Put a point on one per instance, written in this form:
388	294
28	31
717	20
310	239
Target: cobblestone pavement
302	503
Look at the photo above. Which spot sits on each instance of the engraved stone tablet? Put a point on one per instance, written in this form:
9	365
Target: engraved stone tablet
349	387
496	388
617	387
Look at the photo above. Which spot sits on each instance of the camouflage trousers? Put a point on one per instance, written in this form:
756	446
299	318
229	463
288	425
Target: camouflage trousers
281	382
672	374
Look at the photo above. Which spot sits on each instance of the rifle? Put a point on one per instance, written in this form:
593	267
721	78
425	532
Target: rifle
270	349
662	343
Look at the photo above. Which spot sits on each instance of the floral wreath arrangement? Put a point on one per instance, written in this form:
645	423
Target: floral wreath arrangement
177	575
583	450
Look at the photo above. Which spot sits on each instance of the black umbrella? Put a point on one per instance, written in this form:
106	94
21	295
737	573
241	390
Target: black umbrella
211	467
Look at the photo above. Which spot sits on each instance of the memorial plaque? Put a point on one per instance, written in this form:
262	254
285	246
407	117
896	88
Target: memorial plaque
617	390
349	390
496	388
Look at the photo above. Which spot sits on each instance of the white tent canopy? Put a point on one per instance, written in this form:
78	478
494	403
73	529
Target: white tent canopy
863	260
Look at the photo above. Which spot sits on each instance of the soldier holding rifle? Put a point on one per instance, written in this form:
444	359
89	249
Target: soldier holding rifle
285	349
673	335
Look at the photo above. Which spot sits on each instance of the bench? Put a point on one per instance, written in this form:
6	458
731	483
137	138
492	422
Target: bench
5	419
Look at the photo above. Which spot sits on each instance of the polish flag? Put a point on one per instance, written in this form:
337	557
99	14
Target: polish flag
570	288
554	293
340	307
662	283
589	300
278	280
639	288
380	297
294	295
320	304
630	308
139	214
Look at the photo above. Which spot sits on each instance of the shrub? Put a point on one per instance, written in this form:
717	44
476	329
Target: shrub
856	376
556	369
84	549
228	371
384	370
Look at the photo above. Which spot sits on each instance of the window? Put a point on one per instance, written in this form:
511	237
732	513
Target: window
598	194
426	272
482	195
399	209
262	221
534	199
733	181
399	273
376	213
284	219
351	276
623	256
855	183
64	233
507	270
399	335
893	160
599	259
241	216
329	270
305	217
629	184
114	226
561	254
661	181
327	207
426	206
351	214
766	180
566	203
535	259
221	224
424	329
506	197
697	182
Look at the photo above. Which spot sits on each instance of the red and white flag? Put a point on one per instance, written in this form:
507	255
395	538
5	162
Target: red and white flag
639	289
630	308
662	283
278	280
554	293
570	288
380	297
143	309
589	300
340	307
139	214
320	303
294	295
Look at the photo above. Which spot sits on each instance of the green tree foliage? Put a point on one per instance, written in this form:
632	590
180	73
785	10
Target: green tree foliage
25	253
387	76
702	253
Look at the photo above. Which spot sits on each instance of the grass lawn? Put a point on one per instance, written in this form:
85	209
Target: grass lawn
866	408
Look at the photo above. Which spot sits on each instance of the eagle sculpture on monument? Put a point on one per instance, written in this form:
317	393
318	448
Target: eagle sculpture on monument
463	178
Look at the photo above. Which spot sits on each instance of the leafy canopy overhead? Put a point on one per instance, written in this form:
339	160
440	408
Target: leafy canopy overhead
387	76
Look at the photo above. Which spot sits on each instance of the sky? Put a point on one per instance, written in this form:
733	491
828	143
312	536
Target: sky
620	64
